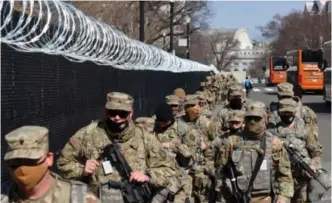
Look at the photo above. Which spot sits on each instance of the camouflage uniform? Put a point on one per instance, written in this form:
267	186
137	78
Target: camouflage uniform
146	123
234	91
304	112
205	109
31	142
305	141
202	158
274	170
141	149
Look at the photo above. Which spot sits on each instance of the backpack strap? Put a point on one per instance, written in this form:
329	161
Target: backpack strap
78	191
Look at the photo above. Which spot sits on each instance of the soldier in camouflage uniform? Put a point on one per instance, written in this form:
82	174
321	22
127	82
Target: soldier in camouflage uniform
146	123
236	102
286	90
29	159
274	177
201	147
174	102
181	94
292	130
81	158
209	94
204	106
170	132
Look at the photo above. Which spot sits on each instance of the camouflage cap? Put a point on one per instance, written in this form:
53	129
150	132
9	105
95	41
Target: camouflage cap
27	142
119	101
236	115
208	78
191	99
209	82
145	122
235	90
201	96
172	100
287	105
202	84
180	93
256	108
285	89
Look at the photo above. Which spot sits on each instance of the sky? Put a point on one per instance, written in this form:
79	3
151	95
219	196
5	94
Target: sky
249	14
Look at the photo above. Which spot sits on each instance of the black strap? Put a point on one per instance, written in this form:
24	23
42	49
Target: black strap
259	161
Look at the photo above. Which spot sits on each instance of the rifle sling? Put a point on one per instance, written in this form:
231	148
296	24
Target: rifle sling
259	161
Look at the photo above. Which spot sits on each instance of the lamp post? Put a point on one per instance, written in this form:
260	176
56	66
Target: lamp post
141	21
171	11
188	20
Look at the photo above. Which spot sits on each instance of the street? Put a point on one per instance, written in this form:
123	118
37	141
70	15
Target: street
316	103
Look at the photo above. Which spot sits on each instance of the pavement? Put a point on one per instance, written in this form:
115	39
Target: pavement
267	94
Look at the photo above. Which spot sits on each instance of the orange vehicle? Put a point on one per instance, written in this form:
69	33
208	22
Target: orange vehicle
304	69
276	71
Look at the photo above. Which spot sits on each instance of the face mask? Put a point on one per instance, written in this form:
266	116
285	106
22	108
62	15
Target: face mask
254	129
287	119
27	177
192	113
236	104
235	131
116	127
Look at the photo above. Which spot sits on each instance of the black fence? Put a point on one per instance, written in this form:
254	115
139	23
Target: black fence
48	90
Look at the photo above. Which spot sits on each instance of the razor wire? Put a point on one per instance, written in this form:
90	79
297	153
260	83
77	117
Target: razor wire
58	28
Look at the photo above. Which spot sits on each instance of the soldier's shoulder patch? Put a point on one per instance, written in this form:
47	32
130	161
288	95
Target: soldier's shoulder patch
74	142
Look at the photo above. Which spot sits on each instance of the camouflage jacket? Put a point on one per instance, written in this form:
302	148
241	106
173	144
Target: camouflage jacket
223	116
142	150
63	191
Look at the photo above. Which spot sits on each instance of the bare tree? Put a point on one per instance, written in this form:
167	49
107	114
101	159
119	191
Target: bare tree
125	16
297	30
222	48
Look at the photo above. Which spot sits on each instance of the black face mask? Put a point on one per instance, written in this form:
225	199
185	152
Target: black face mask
287	119
236	104
235	131
116	127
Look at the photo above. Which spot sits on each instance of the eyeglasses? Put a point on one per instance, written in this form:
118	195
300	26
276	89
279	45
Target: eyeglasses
121	114
252	118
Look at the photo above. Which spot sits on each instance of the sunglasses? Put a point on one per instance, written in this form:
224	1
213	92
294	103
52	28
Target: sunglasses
121	114
252	118
14	163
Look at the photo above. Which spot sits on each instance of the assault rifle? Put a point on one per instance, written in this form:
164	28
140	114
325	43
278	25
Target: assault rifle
320	175
133	192
239	196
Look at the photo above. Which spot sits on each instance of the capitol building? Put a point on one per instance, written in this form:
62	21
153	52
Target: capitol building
245	53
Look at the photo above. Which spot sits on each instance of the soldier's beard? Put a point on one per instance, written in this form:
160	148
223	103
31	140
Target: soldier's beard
116	127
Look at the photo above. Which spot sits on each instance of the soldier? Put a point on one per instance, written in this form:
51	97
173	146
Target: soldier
170	132
81	158
286	90
145	122
258	163
181	94
174	102
292	131
29	160
201	147
204	106
236	102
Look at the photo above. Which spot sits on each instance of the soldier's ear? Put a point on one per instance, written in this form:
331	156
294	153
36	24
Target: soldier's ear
50	159
130	116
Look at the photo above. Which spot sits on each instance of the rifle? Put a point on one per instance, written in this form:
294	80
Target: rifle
133	192
320	175
240	197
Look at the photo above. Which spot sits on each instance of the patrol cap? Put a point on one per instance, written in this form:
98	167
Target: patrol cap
191	99
285	89
287	105
235	90
145	122
201	96
119	101
179	92
172	100
209	82
202	84
256	108
236	115
27	142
